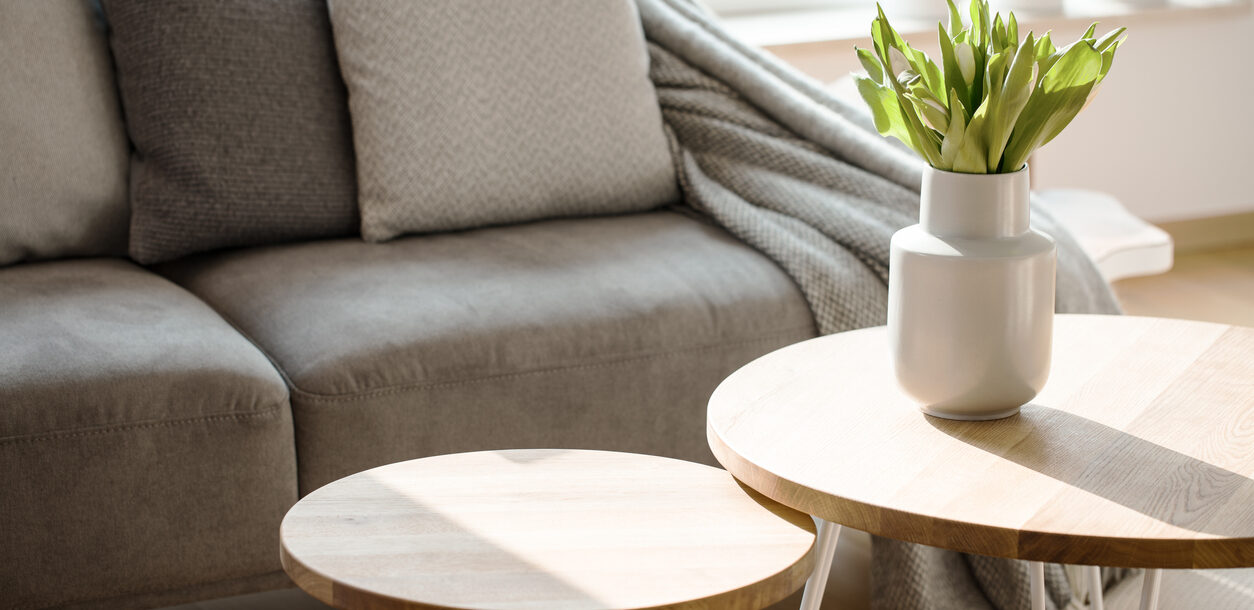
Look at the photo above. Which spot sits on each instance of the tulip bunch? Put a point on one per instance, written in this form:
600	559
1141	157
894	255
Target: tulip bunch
996	99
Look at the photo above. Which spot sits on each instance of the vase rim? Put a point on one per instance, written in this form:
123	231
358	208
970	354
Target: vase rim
952	173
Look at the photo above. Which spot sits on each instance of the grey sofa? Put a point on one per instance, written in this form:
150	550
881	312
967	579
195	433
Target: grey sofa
156	429
156	422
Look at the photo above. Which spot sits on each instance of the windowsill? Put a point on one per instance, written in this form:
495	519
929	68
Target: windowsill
784	28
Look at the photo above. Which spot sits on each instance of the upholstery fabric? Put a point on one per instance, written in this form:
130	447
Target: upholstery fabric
1219	589
62	144
468	113
605	333
240	124
145	446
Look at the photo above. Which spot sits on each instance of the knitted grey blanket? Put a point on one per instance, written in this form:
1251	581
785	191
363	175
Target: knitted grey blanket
773	158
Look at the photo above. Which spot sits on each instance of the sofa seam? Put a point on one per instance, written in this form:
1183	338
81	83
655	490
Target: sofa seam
349	397
35	438
274	364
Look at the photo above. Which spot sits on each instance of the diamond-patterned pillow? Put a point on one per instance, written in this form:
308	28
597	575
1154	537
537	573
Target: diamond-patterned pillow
469	113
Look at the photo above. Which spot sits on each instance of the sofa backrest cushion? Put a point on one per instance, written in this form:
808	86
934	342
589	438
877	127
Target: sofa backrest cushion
240	124
63	161
476	112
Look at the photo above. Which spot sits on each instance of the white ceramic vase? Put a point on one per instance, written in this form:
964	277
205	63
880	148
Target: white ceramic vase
971	298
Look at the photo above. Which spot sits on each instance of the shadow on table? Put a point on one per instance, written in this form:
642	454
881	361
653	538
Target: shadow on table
1144	476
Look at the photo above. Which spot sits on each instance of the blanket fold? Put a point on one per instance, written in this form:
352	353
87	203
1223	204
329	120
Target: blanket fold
776	160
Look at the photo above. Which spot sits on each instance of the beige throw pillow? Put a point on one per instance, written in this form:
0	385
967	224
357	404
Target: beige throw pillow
62	143
469	113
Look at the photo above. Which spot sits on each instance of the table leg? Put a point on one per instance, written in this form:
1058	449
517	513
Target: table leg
1036	577
825	547
1093	576
1149	589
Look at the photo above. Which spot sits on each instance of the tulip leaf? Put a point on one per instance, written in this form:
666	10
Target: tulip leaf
885	110
880	47
1109	39
1059	96
891	117
891	37
1011	98
999	35
1044	49
955	134
1108	59
874	70
970	157
955	19
979	24
887	41
931	74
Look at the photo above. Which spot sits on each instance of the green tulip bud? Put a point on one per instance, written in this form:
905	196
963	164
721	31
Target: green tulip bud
934	114
898	62
966	61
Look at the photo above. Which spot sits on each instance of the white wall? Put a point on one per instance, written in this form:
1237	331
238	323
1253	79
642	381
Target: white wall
1171	133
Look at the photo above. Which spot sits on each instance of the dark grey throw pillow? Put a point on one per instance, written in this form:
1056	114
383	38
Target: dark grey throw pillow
239	120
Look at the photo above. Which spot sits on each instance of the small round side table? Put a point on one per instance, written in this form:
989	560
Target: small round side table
561	529
1139	452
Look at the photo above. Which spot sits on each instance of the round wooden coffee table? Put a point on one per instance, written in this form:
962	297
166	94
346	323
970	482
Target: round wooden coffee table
1138	453
559	529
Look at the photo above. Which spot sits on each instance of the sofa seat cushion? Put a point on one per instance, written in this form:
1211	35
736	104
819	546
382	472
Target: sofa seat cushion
145	445
599	332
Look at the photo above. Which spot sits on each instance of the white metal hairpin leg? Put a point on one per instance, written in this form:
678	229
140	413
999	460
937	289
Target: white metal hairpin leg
1149	590
825	547
1036	576
1093	578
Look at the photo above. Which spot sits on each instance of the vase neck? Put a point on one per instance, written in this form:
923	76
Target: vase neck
974	206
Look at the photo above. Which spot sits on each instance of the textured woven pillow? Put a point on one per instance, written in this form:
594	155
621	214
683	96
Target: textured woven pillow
239	120
62	144
475	112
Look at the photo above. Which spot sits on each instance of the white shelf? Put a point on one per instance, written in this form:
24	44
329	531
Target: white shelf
1121	244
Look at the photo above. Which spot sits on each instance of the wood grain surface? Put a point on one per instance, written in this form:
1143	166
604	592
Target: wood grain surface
554	529
1139	452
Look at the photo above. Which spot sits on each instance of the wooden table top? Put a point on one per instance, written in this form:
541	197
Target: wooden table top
553	529
1139	452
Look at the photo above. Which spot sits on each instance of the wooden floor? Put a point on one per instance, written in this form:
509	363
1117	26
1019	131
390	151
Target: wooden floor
1215	286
